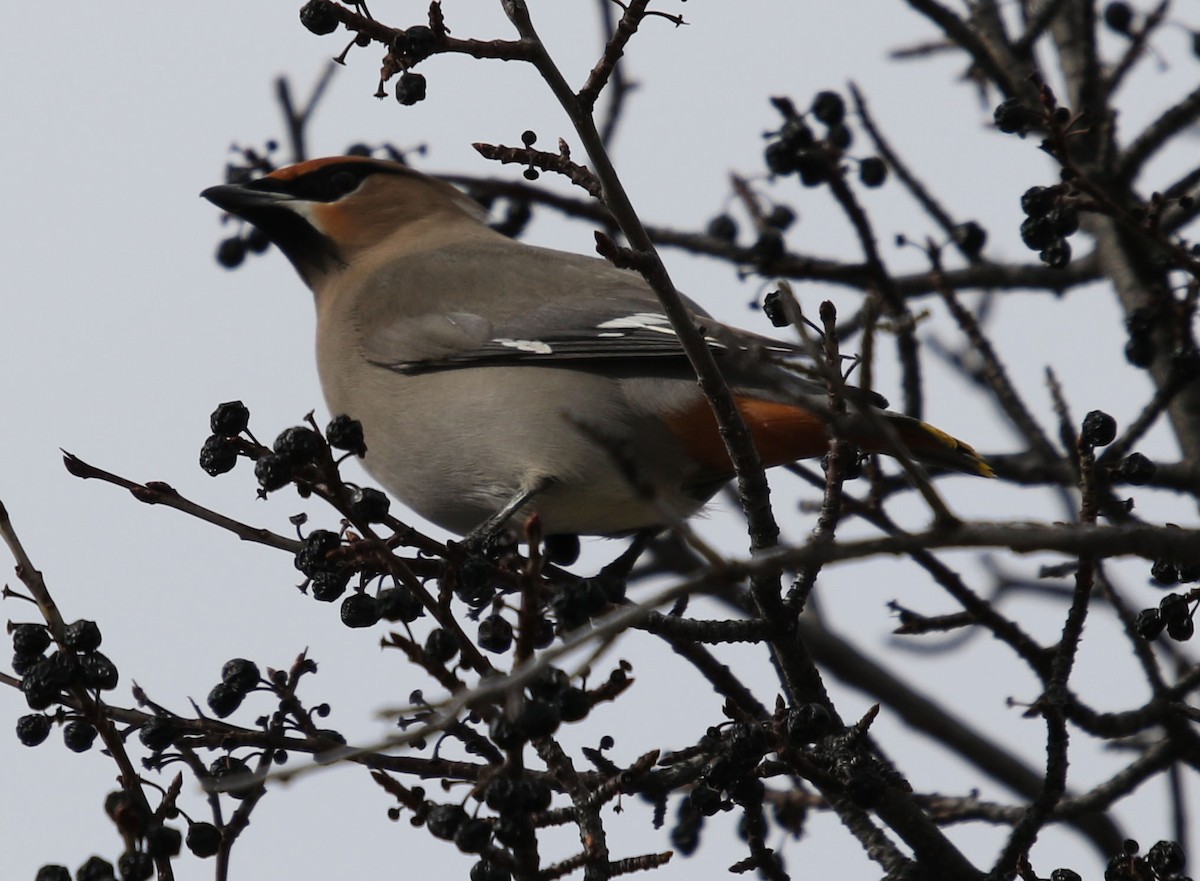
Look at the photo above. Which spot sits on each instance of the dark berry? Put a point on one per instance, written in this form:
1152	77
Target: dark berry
369	504
1038	201
256	240
164	841
1164	573
1181	629
780	217
769	246
441	645
224	699
1064	875
501	794
273	472
574	704
95	869
410	89
135	865
23	663
840	137
419	41
1037	233
1065	219
505	733
1057	254
473	835
218	455
98	671
814	167
872	171
1012	117
325	587
1149	624
443	820
1166	858
562	549
495	634
1136	469
486	870
807	723
780	158
773	308
1118	16
705	799
53	873
723	227
203	839
298	445
1139	351
796	135
318	16
82	636
399	604
79	735
241	674
1099	429
315	551
229	419
970	238
159	732
231	252
224	770
30	639
1185	364
829	108
344	433
33	729
539	718
359	610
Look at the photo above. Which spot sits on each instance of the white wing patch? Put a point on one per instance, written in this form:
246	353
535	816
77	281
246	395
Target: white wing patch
655	321
537	347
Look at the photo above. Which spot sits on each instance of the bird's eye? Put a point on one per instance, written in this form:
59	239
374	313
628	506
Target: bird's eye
341	183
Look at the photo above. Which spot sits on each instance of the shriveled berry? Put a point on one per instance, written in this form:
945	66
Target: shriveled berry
95	869
495	634
82	636
159	732
705	799
1065	219
829	108
473	835
273	472
1118	16
229	419
399	604
30	639
486	870
315	551
773	308
98	671
224	699
298	445
344	433
1149	624
443	820
1164	573
225	769
1181	629
441	645
1136	469
241	674
135	865
33	729
23	663
164	841
231	252
1037	233
807	723
1012	117
419	41
1057	254
723	227
203	839
1166	858
1038	201
872	171
53	873
79	735
325	587
318	16
218	455
369	504
410	89
970	238
359	610
1099	429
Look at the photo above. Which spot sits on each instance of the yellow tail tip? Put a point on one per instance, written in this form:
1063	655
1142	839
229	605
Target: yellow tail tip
969	461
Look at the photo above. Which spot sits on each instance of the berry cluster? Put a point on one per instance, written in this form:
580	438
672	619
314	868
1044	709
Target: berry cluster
1050	219
796	149
1163	862
1176	612
76	663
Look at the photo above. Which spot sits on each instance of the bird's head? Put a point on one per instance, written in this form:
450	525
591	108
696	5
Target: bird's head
326	213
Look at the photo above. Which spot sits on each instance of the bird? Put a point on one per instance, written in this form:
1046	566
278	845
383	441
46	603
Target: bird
495	379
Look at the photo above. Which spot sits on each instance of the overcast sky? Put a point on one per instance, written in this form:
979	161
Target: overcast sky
120	333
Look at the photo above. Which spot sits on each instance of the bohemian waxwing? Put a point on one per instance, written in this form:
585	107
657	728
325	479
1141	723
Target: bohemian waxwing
494	379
